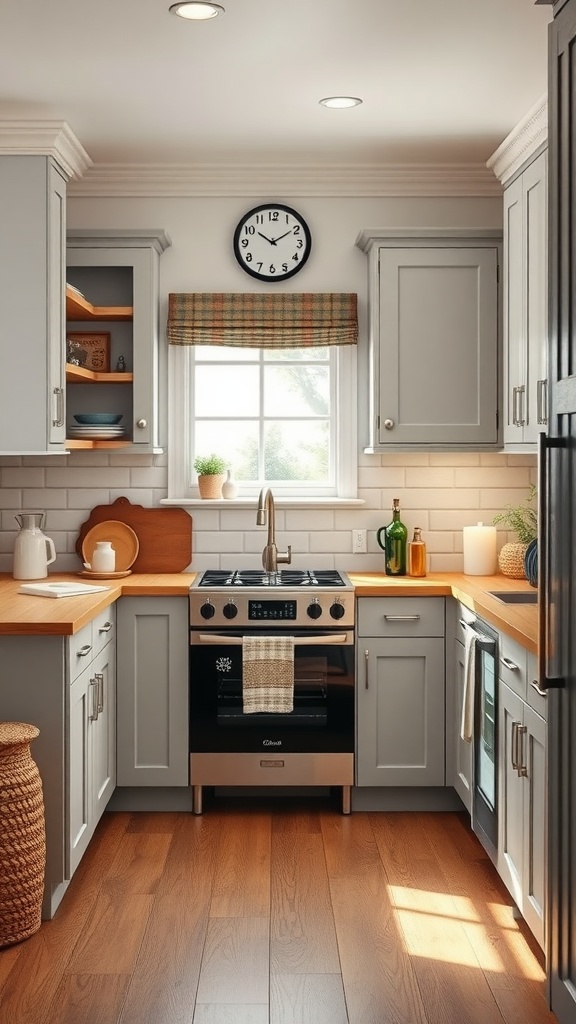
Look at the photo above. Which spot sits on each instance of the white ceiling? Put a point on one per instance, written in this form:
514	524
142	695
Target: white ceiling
442	80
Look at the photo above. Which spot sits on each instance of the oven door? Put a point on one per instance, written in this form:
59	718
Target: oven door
322	719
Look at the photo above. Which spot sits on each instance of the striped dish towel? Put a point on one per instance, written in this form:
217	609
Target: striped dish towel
268	674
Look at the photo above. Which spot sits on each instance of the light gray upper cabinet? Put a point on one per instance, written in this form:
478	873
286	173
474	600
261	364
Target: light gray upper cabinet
434	334
400	692
153	650
117	274
525	306
36	161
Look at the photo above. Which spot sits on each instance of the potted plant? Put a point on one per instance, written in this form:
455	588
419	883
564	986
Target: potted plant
523	520
211	470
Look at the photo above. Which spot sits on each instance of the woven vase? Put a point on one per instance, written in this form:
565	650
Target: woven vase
511	561
22	835
211	486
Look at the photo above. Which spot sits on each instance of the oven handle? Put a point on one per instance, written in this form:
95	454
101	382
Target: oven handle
299	641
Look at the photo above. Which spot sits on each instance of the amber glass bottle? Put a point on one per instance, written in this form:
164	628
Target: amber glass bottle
417	554
395	543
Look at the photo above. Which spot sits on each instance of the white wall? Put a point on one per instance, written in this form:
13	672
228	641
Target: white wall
441	493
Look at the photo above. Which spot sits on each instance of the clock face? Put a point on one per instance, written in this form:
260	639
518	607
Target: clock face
272	242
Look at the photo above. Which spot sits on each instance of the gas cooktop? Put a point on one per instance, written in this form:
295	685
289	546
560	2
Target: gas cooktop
285	578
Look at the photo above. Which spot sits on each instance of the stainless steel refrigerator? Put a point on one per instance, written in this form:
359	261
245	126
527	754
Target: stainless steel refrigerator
557	520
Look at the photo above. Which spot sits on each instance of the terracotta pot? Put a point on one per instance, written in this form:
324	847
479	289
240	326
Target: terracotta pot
211	486
511	561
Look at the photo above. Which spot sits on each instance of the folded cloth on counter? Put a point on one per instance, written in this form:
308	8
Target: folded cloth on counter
59	589
467	723
268	674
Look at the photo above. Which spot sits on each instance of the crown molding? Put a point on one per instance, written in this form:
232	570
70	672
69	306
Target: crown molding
275	179
45	138
522	142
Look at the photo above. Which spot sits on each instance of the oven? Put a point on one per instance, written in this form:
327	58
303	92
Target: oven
484	669
311	745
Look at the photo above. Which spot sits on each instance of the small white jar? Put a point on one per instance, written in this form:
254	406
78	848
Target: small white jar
103	557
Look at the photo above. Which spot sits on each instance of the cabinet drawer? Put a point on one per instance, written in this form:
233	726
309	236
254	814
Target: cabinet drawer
512	667
401	616
103	628
533	698
80	651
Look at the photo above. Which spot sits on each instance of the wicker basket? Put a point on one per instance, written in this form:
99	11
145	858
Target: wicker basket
210	486
511	561
22	835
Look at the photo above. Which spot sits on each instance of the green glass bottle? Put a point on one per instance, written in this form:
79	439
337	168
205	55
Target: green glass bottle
395	543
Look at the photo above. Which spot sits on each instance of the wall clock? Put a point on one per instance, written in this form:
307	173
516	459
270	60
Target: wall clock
272	242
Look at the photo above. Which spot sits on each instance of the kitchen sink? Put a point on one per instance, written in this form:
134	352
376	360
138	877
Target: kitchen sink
515	596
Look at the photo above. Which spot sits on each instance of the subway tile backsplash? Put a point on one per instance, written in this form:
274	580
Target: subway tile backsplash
440	492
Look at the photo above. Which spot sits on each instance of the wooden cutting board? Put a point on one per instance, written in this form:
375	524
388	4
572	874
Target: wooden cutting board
165	534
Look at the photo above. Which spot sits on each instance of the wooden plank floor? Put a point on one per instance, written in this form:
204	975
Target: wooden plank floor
279	912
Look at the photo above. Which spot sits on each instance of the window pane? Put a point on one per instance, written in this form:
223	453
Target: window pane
296	391
225	354
235	440
297	355
297	451
226	390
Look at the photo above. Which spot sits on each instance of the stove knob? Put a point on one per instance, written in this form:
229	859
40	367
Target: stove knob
314	610
207	610
230	610
337	610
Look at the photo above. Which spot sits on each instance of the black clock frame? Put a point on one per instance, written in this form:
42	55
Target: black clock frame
259	209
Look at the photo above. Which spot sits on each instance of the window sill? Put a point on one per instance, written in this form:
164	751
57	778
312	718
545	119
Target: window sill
252	502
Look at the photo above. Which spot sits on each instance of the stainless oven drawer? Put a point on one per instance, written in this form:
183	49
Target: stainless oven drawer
271	769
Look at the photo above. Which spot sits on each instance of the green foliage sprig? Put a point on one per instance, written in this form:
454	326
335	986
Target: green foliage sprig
522	519
210	465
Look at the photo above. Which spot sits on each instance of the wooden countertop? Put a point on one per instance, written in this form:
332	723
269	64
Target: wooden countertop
23	615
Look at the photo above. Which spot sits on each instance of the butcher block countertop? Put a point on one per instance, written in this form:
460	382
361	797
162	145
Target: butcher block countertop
23	615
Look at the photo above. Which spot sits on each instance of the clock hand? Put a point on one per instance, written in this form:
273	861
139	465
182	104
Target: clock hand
271	240
282	236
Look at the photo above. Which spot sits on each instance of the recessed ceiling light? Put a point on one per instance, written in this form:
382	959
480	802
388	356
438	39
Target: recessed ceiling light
196	10
340	101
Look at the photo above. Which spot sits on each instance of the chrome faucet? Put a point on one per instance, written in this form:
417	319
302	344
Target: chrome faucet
270	555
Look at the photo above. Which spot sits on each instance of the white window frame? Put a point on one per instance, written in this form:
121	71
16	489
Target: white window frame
182	485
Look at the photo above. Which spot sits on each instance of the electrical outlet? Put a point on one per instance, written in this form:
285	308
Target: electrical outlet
359	541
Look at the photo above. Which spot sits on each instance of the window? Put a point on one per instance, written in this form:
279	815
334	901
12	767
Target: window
285	417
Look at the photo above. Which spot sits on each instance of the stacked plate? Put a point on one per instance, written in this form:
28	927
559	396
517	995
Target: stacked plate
97	426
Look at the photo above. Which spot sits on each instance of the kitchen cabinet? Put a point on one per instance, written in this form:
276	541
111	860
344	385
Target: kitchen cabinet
525	306
113	288
400	692
152	702
46	681
92	746
32	214
433	338
522	807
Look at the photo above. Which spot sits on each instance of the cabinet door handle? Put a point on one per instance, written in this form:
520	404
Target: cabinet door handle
389	424
515	407
84	651
105	628
534	683
401	618
366	658
509	664
99	677
142	424
514	745
93	716
521	403
542	401
522	768
59	395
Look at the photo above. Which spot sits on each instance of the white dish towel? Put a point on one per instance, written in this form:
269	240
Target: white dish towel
268	674
467	723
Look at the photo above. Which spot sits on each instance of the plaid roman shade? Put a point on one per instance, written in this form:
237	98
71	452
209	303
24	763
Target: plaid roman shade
262	319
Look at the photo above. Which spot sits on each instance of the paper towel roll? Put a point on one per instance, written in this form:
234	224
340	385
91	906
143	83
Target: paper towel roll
480	550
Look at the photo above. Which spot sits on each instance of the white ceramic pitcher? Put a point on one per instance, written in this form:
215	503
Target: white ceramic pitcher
33	550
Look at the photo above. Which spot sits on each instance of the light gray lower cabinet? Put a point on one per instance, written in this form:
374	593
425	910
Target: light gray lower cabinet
400	692
434	331
58	683
152	705
522	807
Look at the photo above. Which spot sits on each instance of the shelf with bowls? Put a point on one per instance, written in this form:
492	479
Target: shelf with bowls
97	430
